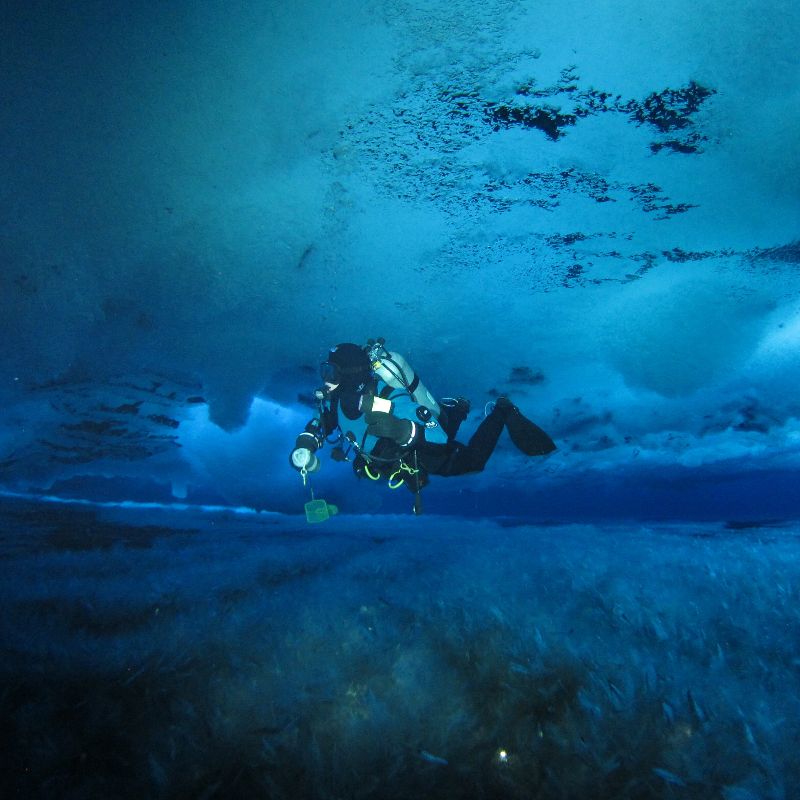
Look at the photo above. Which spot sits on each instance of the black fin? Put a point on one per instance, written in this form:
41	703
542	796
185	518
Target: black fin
526	435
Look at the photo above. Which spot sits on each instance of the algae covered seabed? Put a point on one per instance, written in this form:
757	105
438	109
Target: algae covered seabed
156	653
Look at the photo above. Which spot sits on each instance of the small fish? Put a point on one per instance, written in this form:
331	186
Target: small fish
617	697
748	732
432	759
669	777
695	708
650	678
587	705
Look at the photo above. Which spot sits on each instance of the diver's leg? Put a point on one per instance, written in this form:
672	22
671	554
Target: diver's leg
464	458
454	411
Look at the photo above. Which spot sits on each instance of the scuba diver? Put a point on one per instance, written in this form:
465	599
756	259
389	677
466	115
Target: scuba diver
375	412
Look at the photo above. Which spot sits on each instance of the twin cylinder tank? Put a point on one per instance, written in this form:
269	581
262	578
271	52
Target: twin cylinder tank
387	368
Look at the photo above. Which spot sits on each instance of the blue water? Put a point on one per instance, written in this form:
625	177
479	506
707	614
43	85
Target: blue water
589	207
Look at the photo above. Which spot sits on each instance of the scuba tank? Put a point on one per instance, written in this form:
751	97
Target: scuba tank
396	372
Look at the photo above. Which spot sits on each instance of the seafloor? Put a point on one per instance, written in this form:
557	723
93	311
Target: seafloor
187	654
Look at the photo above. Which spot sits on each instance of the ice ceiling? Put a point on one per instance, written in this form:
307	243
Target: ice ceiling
591	206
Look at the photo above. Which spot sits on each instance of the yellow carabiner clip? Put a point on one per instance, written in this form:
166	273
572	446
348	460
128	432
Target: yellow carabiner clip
402	467
392	477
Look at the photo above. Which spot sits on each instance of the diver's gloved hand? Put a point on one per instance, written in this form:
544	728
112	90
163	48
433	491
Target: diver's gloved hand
381	423
402	431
